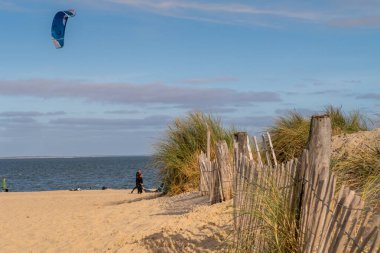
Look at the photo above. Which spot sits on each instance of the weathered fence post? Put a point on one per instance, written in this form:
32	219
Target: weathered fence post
317	176
215	190
225	169
319	144
241	139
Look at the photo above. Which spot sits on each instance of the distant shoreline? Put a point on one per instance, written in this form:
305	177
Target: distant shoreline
69	157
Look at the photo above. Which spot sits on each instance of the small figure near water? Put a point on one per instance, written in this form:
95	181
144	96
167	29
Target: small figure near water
161	188
139	182
4	185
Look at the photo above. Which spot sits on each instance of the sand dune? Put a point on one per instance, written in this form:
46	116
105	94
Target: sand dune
111	221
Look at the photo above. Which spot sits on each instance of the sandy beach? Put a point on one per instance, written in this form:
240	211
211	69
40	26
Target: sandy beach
111	221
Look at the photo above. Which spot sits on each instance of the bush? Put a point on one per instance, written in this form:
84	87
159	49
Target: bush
177	153
270	221
290	132
289	136
361	172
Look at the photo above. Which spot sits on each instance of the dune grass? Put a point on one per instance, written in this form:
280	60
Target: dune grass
289	135
360	170
274	224
177	153
290	132
348	123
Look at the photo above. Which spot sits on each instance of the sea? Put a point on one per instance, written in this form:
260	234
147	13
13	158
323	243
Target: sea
50	174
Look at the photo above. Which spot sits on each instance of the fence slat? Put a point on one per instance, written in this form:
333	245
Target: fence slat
225	169
272	150
259	161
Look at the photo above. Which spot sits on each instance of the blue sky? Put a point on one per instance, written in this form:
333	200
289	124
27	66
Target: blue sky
130	67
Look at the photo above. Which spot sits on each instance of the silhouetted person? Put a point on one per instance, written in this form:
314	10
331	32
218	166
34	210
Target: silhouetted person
138	180
140	184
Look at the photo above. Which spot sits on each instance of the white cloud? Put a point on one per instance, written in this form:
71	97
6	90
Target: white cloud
235	8
349	13
210	80
144	94
155	122
29	113
375	96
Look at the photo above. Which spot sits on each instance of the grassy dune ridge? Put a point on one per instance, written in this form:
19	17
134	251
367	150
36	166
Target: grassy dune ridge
177	153
359	168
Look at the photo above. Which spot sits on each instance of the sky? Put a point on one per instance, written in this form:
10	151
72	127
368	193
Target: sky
130	67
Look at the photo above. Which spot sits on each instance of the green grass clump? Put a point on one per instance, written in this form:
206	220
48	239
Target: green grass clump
289	136
360	170
177	153
290	132
272	223
346	123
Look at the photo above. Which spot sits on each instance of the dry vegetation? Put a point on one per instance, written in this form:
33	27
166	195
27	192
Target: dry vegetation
290	132
177	154
356	166
356	162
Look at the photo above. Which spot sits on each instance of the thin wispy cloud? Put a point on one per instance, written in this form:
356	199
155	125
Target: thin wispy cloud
9	6
23	121
371	21
333	13
330	92
155	122
235	8
220	13
122	112
338	13
30	113
375	96
144	94
210	80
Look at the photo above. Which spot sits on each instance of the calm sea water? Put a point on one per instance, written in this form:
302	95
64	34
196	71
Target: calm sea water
46	174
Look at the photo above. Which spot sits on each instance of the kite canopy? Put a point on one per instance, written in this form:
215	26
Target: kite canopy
59	25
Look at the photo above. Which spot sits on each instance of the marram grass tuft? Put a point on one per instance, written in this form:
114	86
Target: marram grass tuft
177	153
361	172
290	132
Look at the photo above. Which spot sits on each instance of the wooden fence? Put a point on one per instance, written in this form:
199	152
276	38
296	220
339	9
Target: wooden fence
289	207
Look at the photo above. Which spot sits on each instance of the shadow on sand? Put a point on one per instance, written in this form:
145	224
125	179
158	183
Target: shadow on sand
182	204
143	197
207	240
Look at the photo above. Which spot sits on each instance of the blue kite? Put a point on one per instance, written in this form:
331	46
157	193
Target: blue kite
59	25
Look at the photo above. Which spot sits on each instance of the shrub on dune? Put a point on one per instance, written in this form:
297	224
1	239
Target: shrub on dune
289	135
359	169
290	132
177	153
361	172
346	123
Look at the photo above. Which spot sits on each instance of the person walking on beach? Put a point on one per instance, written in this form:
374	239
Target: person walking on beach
139	182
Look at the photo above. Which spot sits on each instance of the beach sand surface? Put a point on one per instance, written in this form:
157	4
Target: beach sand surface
112	221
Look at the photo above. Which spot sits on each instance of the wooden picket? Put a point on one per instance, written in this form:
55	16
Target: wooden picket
325	221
